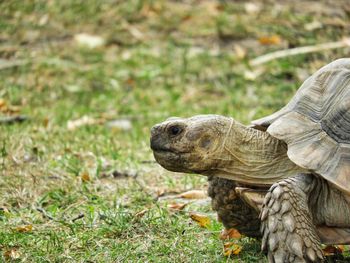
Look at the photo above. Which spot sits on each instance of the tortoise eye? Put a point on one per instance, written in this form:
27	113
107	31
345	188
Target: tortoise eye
175	130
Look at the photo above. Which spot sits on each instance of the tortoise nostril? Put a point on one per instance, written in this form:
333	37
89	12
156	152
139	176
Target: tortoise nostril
155	129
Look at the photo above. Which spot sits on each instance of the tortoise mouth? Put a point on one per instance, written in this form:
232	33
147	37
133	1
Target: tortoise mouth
164	154
168	151
179	161
171	160
160	149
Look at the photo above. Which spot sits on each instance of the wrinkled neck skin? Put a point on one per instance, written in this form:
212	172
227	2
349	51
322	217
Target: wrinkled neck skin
252	156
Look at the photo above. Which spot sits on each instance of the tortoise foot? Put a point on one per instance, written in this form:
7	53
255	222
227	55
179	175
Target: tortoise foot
288	232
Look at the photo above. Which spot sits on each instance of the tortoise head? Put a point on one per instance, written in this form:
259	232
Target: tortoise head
189	144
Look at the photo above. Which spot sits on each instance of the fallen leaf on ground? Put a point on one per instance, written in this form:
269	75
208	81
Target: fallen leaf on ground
194	194
252	8
83	121
201	219
12	254
148	11
231	248
240	51
135	32
6	107
24	229
160	192
85	177
124	125
46	122
3	105
177	206
332	250
141	213
229	233
313	25
253	74
13	109
270	40
211	7
90	41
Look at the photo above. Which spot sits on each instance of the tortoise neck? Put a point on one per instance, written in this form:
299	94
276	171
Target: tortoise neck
253	156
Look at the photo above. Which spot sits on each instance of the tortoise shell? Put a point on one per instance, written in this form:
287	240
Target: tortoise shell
315	124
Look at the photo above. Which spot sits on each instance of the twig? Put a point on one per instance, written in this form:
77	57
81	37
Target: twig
80	216
299	50
43	212
13	119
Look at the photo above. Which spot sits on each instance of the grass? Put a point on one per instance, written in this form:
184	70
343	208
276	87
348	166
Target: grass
161	59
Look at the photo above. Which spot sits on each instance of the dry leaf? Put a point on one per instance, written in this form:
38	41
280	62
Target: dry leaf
85	177
252	8
229	233
46	122
2	102
135	32
333	250
186	18
130	81
335	22
211	8
13	109
43	20
160	192
6	107
3	105
90	41
194	194
240	51
152	10
177	206
24	229
12	254
313	25
83	121
231	248
253	74
141	213
200	219
270	40
122	124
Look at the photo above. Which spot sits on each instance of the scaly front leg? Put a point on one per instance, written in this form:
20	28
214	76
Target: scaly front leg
289	234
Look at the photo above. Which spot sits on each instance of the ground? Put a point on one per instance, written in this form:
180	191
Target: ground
77	187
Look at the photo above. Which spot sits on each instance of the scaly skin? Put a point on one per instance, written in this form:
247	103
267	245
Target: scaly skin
289	234
232	211
291	213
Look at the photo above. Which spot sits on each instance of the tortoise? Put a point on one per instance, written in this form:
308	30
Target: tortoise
287	174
